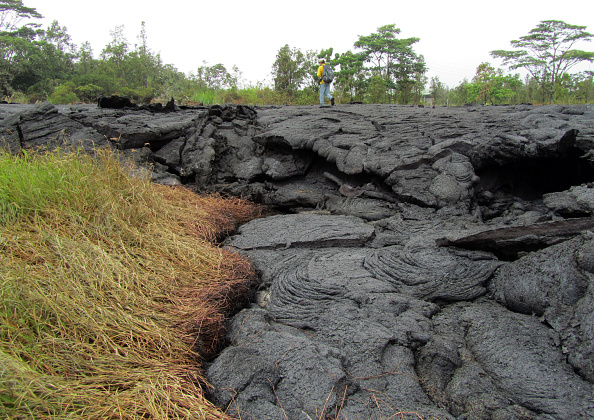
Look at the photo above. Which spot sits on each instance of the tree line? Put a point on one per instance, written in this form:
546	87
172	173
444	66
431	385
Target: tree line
39	64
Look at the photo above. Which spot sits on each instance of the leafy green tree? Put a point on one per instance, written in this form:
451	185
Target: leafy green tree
410	77
57	52
380	48
491	86
584	87
437	90
38	60
12	12
101	74
311	83
394	61
173	83
530	91
290	69
58	36
85	61
574	88
215	77
507	88
461	95
135	73
14	49
115	52
16	42
547	53
351	79
376	91
483	83
142	65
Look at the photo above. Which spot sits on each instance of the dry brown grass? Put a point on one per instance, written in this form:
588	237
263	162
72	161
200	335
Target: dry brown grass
112	290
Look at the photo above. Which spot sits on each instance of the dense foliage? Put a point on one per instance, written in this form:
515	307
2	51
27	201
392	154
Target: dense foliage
43	64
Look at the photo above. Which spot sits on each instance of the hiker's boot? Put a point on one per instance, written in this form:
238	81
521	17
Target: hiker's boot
332	101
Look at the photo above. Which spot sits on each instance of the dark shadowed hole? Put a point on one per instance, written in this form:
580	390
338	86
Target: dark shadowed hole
530	179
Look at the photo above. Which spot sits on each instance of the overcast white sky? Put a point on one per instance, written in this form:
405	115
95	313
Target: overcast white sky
455	35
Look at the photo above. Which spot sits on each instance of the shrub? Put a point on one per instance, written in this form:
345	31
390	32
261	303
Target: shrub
139	95
89	93
64	94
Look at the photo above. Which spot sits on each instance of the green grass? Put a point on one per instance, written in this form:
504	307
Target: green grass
112	290
206	97
252	95
30	186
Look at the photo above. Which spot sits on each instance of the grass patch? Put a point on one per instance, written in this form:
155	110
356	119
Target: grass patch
206	97
112	290
250	95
